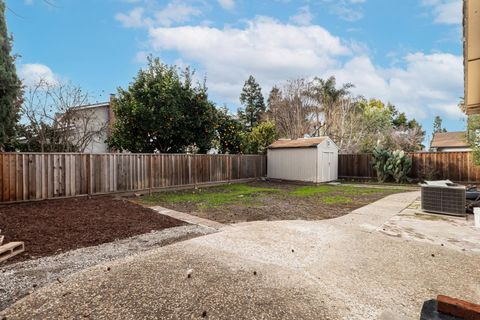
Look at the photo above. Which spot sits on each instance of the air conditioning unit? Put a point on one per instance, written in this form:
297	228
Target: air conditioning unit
443	197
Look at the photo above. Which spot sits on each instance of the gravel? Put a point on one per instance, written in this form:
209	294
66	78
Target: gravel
22	278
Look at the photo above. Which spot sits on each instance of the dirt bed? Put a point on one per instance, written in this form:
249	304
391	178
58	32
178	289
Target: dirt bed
56	226
270	201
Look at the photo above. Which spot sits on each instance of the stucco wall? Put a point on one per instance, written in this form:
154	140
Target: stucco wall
472	55
98	118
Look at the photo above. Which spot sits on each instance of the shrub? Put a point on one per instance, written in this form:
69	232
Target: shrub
380	158
398	166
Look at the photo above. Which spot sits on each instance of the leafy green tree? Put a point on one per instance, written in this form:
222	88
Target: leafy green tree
252	98
162	111
258	140
229	132
10	86
376	119
437	125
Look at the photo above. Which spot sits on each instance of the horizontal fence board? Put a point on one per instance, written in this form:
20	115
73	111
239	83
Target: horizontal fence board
455	166
37	176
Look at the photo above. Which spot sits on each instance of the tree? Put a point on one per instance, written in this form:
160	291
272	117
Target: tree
261	136
252	98
10	86
348	129
55	123
437	125
229	132
326	96
162	111
274	96
291	109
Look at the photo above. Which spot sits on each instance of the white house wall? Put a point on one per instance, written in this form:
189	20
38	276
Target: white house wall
99	118
298	164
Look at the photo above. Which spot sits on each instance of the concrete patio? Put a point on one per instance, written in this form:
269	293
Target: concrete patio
345	268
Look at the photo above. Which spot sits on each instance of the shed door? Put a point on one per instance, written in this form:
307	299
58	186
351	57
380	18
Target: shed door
327	166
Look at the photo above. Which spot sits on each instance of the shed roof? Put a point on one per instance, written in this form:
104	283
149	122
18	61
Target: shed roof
450	140
297	143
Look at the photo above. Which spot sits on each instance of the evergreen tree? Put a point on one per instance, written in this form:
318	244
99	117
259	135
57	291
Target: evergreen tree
162	111
437	125
252	98
10	86
274	96
229	131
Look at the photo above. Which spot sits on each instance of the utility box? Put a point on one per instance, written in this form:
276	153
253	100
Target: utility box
307	160
444	197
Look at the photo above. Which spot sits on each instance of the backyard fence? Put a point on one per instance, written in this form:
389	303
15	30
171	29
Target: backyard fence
455	166
36	176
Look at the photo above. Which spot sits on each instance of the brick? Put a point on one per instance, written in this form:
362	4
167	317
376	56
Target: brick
458	308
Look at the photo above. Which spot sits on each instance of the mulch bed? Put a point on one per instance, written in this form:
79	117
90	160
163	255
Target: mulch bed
56	226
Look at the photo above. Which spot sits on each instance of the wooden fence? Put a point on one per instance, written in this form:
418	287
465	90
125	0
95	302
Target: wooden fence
455	166
35	176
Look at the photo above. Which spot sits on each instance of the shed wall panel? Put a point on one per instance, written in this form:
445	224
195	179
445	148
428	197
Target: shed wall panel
299	164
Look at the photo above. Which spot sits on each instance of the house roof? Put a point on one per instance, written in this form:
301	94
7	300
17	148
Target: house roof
450	140
92	106
297	143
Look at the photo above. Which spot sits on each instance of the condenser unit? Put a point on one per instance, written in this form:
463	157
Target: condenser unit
443	197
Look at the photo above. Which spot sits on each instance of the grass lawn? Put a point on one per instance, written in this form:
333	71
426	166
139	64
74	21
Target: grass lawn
268	201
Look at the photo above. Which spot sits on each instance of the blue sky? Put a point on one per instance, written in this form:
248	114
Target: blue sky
408	52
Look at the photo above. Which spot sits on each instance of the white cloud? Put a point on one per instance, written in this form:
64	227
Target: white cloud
174	12
303	17
348	10
446	11
425	84
32	73
265	48
133	19
227	4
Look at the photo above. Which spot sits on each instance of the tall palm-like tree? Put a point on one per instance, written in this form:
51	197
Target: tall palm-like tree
327	97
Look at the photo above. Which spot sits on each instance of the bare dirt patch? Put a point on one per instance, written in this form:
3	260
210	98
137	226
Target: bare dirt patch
56	226
269	201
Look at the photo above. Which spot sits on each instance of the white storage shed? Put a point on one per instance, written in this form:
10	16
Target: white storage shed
308	159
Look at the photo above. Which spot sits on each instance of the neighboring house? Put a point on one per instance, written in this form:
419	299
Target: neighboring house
91	126
471	35
450	142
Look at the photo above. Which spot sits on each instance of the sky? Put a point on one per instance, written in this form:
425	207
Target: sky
406	52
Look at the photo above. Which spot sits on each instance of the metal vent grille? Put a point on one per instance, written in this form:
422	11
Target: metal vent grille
443	200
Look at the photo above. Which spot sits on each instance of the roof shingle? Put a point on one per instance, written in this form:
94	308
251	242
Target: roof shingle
450	139
297	143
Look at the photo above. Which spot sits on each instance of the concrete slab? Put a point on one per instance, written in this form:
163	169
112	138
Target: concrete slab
269	270
188	218
453	232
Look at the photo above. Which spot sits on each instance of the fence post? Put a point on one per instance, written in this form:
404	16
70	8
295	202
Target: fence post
89	174
150	182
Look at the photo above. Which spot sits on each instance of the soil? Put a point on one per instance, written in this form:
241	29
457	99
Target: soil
55	226
280	206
